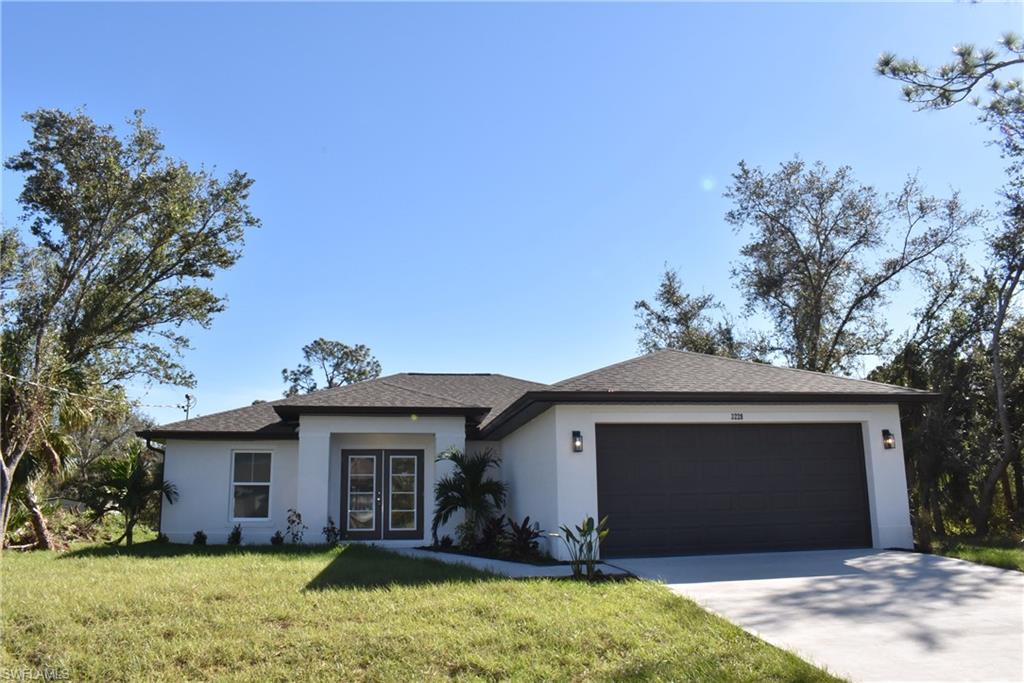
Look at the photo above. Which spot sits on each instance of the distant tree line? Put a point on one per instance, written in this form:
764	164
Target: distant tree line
824	254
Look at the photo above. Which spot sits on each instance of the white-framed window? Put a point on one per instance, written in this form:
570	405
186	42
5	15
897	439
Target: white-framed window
362	492
250	485
402	515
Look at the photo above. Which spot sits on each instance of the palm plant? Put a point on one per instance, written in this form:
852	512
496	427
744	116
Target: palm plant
128	485
468	489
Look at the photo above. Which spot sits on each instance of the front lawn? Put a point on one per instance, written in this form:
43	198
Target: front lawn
179	612
1006	555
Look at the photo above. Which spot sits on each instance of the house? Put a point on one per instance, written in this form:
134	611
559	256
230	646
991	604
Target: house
683	452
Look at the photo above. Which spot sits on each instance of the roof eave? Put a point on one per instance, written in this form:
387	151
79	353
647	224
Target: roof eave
532	403
162	434
292	412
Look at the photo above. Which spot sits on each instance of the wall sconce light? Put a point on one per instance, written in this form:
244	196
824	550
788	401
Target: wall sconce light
577	442
888	439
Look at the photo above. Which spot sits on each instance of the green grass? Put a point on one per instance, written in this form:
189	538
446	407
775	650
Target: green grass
355	613
1004	555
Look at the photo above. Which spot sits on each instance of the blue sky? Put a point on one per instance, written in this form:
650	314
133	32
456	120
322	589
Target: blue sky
483	187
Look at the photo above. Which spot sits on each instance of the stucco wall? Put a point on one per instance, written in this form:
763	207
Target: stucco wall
201	470
528	465
576	473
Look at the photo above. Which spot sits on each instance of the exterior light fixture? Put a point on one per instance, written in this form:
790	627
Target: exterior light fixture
888	439
577	442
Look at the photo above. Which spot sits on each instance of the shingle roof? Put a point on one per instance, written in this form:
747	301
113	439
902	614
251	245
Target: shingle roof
499	402
260	420
478	394
481	392
687	372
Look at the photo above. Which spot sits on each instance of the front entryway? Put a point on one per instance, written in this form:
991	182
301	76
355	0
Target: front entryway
382	494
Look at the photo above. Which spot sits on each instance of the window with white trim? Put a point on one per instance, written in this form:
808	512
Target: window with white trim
403	493
250	485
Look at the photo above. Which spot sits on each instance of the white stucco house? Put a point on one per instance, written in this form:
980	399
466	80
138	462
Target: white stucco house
683	452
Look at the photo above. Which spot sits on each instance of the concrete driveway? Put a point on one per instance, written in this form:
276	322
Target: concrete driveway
864	614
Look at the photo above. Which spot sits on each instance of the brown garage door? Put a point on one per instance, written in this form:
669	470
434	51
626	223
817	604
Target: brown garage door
677	489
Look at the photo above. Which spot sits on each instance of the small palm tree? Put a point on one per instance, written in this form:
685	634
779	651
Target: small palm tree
127	485
468	489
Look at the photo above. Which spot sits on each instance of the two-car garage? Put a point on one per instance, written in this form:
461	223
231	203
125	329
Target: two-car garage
671	489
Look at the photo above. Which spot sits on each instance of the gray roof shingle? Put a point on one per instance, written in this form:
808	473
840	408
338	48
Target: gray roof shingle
687	372
487	396
483	394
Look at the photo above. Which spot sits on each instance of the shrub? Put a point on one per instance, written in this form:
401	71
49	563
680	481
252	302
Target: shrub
467	489
332	534
129	486
446	542
490	534
162	538
235	537
199	538
296	528
277	538
520	540
583	546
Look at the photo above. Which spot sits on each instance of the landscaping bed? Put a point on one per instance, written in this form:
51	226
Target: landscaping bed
172	612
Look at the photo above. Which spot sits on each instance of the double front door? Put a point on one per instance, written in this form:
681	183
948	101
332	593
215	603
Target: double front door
382	494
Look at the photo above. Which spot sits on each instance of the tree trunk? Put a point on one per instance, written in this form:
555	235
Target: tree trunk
1018	486
1009	454
5	504
129	526
43	539
1008	492
937	516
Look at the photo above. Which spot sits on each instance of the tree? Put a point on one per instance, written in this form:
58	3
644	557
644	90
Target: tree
339	363
677	320
953	82
127	485
945	439
821	258
123	236
469	489
1002	109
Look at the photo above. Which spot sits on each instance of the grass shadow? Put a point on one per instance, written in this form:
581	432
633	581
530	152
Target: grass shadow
155	550
354	566
359	566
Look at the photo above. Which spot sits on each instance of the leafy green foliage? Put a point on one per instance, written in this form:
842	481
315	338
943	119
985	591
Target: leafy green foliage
468	489
128	486
953	82
687	322
199	538
491	533
995	293
123	239
1008	555
277	538
296	529
331	532
520	539
339	363
235	537
583	545
819	261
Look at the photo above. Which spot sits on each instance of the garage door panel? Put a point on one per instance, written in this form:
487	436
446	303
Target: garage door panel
670	489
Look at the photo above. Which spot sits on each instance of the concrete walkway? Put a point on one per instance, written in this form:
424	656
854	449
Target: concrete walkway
863	614
515	570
